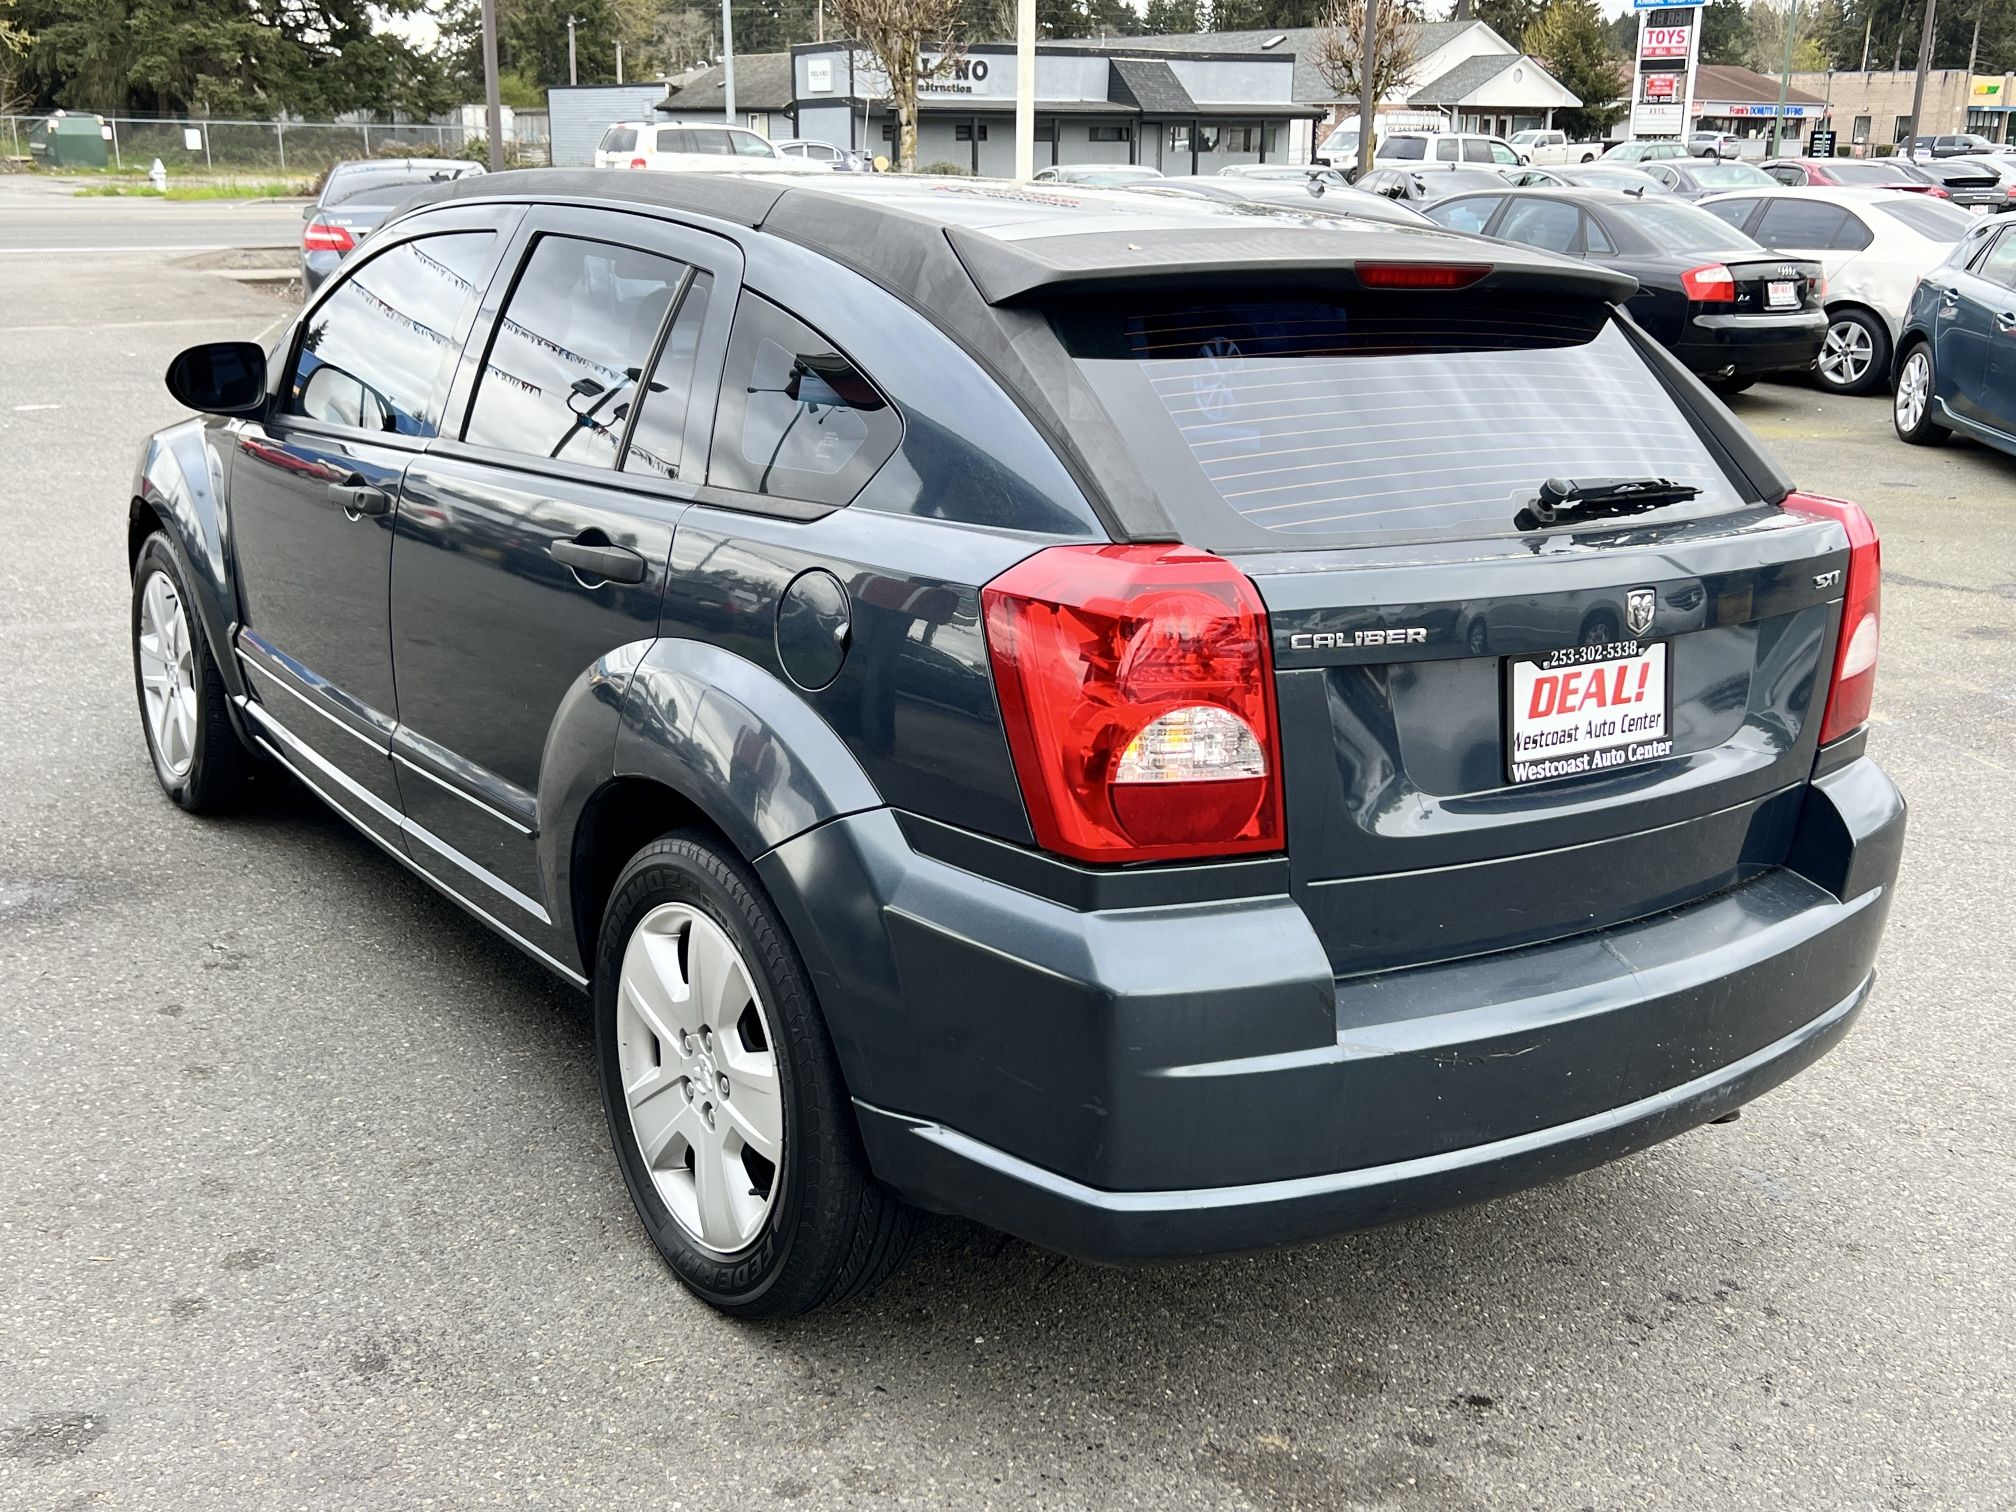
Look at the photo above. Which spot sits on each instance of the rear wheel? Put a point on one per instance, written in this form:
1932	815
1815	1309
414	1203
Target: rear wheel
726	1106
197	756
1856	354
1912	409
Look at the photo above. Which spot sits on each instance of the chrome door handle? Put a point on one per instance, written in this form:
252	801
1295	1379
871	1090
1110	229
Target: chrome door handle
612	564
358	498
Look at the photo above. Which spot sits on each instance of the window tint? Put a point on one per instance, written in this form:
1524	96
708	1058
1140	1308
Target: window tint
1786	174
1807	225
658	436
1405	149
619	139
389	328
1300	422
1999	266
1736	212
1554	225
1447	149
1467	214
574	336
1675	227
1929	217
1477	150
797	419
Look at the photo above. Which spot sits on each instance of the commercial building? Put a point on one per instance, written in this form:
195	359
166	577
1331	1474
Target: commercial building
1874	109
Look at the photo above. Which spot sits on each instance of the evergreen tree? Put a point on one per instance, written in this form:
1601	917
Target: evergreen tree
1511	19
1572	42
1725	32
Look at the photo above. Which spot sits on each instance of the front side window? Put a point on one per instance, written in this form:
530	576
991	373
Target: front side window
1467	214
1999	266
574	337
377	354
797	419
748	144
1447	149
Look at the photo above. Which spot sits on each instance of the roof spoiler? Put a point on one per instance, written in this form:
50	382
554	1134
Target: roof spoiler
1010	272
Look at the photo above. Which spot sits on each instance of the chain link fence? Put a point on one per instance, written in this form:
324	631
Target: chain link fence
283	148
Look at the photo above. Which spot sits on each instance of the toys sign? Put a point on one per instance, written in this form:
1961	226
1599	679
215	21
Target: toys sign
1664	41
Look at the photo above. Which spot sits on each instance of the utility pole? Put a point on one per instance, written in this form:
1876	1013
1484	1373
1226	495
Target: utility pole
1025	89
619	62
1785	76
1368	97
1924	67
1868	31
493	107
572	76
727	64
822	21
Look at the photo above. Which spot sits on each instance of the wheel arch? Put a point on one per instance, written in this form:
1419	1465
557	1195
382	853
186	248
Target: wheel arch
180	489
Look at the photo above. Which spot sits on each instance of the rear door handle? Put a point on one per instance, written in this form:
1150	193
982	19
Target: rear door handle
2005	320
612	564
359	498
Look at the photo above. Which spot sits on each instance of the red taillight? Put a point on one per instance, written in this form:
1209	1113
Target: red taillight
1711	283
1861	616
1376	275
639	163
326	236
1137	688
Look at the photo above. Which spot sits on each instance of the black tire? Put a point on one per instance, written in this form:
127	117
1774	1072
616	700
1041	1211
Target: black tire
1926	431
832	1231
219	764
1728	386
1877	373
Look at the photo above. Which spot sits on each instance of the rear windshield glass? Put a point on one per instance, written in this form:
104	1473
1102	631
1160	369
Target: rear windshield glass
620	139
1405	149
1680	228
1865	173
1732	176
1298	423
1927	216
348	186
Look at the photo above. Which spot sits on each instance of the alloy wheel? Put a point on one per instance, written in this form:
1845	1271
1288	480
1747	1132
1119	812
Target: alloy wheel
700	1077
1847	353
168	674
1914	389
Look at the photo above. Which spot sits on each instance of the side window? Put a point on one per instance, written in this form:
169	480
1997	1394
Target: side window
1663	174
658	437
675	139
797	419
1476	150
619	139
748	144
1999	266
1801	224
386	337
1447	149
1551	224
1405	149
1465	214
1595	241
1736	211
562	368
1503	155
1785	173
709	141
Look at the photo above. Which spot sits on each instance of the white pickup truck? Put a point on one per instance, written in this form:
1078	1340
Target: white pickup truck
1545	148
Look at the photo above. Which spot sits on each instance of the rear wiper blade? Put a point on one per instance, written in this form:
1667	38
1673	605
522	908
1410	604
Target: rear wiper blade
1586	497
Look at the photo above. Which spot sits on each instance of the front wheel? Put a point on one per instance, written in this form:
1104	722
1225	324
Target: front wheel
197	756
726	1106
1911	411
1856	354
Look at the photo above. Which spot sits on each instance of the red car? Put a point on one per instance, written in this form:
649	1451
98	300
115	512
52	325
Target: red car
1853	173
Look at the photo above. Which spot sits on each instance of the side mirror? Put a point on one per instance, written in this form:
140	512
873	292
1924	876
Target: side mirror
220	377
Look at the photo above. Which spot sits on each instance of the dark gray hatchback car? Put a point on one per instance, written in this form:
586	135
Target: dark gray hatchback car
1159	732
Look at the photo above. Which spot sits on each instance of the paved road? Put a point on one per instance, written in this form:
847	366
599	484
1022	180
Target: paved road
305	1198
40	217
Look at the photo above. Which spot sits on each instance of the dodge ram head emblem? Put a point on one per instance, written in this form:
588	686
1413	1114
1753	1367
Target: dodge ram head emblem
1638	610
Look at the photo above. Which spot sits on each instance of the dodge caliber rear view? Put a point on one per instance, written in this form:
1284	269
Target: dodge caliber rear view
1159	733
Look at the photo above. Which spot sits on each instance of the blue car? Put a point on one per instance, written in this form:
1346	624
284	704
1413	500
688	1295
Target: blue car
1956	361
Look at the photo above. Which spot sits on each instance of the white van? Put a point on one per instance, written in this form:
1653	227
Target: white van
695	147
1340	148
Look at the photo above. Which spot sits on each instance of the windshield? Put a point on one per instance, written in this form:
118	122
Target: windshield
1934	219
1526	138
1732	176
1674	227
1300	422
347	186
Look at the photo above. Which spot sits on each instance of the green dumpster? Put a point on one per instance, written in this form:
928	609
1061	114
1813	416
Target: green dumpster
70	141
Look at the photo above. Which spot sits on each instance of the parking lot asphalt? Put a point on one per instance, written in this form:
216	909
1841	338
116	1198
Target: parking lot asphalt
306	1200
44	218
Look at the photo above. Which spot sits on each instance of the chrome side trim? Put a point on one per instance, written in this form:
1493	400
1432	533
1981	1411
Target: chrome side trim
252	664
443	783
447	852
568	973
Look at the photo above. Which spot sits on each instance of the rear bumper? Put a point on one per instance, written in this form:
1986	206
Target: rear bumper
1183	1077
1752	343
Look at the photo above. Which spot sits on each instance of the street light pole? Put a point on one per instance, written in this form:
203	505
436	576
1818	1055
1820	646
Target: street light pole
1785	76
493	106
727	64
1368	99
1025	89
572	76
1924	67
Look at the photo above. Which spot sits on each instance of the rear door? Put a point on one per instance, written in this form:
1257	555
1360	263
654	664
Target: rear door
315	489
1494	730
1996	273
536	540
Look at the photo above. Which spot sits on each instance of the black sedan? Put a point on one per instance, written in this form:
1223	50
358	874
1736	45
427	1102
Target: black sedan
1724	306
356	197
1691	177
1424	183
1314	196
1973	183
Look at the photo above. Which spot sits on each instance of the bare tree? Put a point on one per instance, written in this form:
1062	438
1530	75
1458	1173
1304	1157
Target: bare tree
14	44
1396	48
900	33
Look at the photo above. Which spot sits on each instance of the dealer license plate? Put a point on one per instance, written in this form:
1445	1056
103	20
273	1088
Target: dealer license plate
1586	709
1781	294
